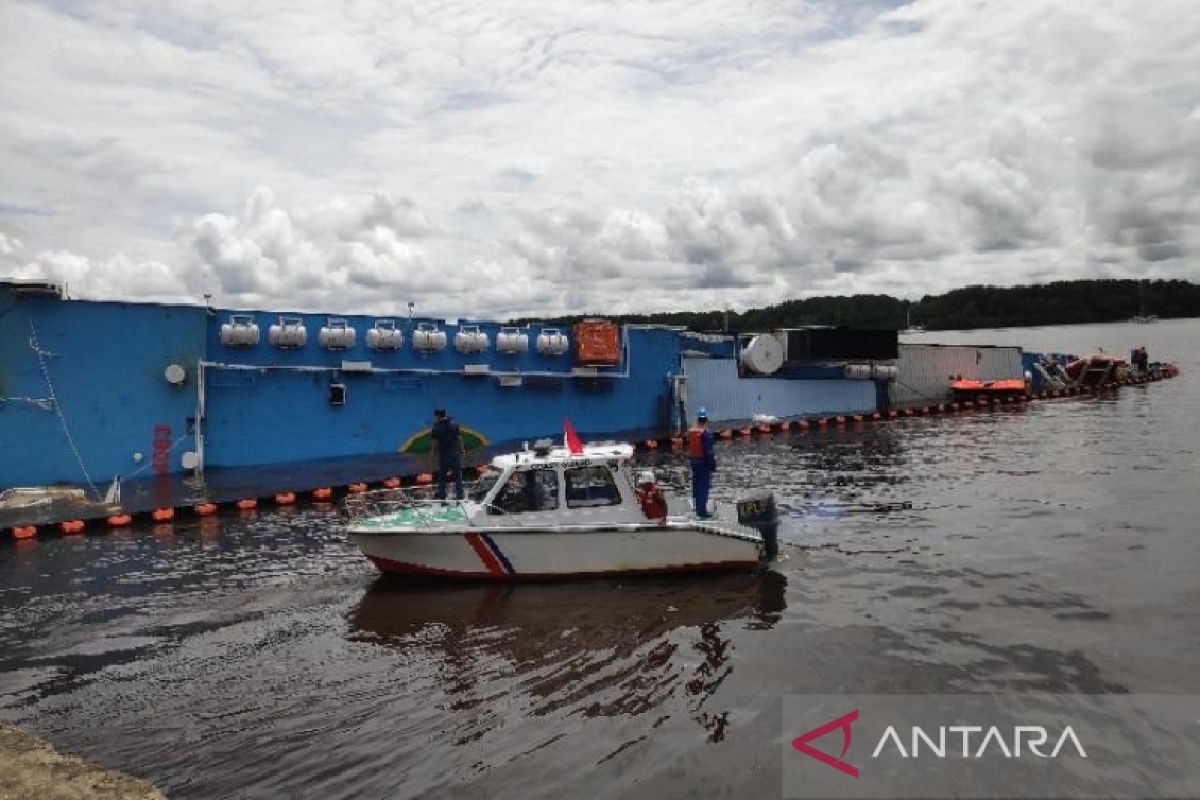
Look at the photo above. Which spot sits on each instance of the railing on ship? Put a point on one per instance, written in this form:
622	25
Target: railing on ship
418	499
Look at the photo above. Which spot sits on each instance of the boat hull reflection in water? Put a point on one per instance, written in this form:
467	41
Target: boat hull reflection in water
599	615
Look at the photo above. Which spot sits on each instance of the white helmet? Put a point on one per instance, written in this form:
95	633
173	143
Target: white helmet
644	477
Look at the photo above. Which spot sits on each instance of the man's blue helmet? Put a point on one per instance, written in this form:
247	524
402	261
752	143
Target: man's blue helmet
702	413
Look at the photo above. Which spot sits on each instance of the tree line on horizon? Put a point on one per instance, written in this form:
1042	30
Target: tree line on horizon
1057	303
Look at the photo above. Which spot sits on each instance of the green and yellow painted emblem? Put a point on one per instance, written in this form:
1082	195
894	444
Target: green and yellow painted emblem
421	442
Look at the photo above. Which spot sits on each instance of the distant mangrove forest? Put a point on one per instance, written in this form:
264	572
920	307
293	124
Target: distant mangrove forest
1058	303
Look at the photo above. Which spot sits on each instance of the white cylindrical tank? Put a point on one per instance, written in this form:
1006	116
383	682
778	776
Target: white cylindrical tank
512	340
428	339
240	331
470	339
884	372
858	372
552	342
385	336
763	355
289	332
337	335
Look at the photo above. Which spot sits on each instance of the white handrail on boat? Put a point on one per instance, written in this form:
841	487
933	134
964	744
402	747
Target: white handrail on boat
387	502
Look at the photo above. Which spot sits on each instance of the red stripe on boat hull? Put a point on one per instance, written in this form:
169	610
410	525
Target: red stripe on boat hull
406	568
494	567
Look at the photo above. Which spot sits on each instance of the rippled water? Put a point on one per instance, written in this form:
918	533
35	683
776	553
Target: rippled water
1049	549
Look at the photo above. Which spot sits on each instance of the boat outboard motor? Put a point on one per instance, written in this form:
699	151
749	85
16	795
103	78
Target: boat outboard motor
758	511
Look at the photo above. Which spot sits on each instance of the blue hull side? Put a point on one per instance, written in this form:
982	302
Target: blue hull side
264	405
106	363
280	415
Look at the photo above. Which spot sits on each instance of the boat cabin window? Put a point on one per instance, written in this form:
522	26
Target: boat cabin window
591	486
482	486
529	490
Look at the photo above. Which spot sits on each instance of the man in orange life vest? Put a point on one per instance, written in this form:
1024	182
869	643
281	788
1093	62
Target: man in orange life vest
700	455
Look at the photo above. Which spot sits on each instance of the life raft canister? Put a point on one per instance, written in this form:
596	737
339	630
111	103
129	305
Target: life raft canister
696	443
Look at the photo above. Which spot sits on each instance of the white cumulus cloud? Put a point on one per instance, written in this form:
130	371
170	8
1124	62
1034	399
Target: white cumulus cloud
534	159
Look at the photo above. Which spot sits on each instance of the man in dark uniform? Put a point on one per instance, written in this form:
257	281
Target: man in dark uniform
448	440
702	460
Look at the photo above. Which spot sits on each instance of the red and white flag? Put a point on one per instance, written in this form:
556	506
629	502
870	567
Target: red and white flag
571	438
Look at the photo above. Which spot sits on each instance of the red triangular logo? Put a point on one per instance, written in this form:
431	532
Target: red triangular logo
801	743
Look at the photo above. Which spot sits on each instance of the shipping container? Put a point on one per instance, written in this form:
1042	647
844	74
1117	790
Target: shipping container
926	370
713	383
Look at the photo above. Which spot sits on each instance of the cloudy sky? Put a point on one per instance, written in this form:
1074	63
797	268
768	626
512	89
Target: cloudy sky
529	157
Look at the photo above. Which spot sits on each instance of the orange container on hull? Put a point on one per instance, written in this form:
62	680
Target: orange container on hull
597	343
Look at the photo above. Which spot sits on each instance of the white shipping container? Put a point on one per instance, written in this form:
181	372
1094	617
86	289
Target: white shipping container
926	370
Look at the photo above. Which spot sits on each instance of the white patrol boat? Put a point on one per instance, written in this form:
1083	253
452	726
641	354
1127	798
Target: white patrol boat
554	513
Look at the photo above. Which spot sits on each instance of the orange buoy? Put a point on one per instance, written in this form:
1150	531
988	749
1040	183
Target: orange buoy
803	425
119	521
391	483
764	428
425	478
822	423
651	444
727	433
247	504
785	426
162	514
285	498
858	417
744	431
356	488
71	526
24	531
323	493
893	414
875	417
205	509
676	442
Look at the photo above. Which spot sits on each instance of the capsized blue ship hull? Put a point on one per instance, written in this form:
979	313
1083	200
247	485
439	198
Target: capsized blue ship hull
93	390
